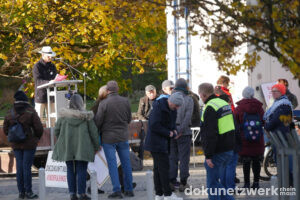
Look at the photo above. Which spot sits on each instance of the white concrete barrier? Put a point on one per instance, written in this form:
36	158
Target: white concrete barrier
150	185
42	186
94	186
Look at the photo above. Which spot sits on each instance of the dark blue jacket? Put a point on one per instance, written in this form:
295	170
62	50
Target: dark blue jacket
161	121
280	120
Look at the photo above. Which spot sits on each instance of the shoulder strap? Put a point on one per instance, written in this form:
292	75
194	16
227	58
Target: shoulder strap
245	116
13	115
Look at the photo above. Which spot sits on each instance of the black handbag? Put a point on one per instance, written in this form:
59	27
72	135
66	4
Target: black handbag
16	132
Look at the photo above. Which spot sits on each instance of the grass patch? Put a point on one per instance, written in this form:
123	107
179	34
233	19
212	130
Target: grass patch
4	109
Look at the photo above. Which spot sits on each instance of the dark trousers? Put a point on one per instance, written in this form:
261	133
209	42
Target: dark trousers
161	173
24	159
180	151
255	160
77	170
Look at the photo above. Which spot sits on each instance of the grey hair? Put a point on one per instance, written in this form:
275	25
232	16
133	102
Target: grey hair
76	102
206	88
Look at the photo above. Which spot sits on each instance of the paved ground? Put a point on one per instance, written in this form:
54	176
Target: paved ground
8	189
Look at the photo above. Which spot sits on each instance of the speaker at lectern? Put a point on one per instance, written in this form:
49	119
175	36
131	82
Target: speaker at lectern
61	92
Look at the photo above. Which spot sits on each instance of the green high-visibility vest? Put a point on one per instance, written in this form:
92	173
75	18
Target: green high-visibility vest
224	113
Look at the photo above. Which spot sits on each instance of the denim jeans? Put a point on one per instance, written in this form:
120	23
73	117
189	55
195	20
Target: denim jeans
229	175
214	176
76	170
122	148
24	160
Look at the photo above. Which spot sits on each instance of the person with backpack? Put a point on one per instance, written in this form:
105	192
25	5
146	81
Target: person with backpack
31	126
249	118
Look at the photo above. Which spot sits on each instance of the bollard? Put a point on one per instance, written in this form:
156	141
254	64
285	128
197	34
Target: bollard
274	183
94	185
52	138
42	186
150	185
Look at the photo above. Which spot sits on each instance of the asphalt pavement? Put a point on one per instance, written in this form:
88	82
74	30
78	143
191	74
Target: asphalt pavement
197	180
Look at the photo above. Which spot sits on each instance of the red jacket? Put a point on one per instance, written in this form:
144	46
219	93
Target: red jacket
251	106
226	91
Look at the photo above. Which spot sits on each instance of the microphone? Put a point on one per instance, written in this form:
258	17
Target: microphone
57	58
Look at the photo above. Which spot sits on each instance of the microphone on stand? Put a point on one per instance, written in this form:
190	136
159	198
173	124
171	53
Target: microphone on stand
57	58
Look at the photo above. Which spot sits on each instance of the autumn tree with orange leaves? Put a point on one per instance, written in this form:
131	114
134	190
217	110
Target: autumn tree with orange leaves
104	38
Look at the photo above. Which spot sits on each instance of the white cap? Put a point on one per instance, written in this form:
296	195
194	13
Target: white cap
48	50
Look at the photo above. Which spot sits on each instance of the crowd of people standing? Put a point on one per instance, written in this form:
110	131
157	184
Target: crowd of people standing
227	133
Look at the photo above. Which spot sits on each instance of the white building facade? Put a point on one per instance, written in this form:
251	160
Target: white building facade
204	68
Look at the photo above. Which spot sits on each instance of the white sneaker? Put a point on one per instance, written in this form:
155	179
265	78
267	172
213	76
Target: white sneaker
157	197
172	197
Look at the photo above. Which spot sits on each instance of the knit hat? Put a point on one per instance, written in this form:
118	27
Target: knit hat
280	87
20	96
149	88
112	86
76	102
181	83
167	83
176	98
248	92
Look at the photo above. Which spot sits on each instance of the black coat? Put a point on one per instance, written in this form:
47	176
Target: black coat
214	143
293	99
31	123
42	73
162	120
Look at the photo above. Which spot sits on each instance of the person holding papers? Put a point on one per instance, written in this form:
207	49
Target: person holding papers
43	72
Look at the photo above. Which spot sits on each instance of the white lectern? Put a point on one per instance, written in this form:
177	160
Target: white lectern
60	99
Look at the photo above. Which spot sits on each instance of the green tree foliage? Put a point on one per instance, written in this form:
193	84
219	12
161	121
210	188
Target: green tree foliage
104	38
268	25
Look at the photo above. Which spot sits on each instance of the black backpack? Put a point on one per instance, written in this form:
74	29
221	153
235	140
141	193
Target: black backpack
252	127
16	132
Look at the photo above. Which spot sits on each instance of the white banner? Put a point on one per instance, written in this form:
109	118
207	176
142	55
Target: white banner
56	173
101	167
266	89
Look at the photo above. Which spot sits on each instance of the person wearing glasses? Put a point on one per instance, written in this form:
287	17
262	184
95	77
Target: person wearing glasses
278	118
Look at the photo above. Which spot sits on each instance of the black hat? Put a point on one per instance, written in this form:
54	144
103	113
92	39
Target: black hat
181	83
20	96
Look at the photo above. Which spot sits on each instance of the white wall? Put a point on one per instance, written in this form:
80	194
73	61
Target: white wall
267	70
205	69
